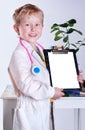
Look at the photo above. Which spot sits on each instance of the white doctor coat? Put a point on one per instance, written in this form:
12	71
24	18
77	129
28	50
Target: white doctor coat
33	105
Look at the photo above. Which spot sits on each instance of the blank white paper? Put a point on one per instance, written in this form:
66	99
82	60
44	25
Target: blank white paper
63	70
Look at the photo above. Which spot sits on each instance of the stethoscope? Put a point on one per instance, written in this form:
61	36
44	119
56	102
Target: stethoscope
35	69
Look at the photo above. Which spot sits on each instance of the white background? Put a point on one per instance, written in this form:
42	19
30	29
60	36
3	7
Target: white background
55	11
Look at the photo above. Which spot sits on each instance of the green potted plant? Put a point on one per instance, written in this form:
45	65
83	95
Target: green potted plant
63	32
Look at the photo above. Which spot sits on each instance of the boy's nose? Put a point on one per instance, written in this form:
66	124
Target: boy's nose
33	28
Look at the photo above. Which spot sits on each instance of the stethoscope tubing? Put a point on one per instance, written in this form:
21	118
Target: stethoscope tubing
29	55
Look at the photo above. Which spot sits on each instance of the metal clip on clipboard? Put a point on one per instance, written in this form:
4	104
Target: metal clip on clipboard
60	49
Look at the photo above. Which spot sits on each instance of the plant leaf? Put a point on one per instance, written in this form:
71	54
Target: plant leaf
78	31
77	50
54	26
64	25
58	32
66	46
54	29
78	42
70	30
57	38
65	39
83	44
74	45
71	22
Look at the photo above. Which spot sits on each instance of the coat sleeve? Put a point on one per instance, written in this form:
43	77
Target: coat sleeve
26	82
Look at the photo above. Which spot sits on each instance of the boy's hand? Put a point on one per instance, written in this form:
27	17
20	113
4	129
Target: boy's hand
80	77
58	93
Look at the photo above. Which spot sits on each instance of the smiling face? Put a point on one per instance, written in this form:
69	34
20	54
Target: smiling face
30	27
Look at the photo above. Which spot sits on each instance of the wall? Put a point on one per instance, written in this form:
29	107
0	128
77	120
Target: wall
55	11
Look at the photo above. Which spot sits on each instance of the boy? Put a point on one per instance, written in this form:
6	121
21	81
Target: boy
29	74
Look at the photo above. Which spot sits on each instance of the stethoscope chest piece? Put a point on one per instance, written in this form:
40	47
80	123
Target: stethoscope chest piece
35	70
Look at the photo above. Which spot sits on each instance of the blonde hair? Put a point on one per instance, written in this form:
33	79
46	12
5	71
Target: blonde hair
26	9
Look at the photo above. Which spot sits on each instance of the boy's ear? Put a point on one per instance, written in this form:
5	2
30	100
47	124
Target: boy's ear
16	29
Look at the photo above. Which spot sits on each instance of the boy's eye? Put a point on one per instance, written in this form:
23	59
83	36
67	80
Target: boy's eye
27	25
37	24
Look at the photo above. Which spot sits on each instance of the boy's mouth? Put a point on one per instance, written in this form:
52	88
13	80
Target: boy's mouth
32	35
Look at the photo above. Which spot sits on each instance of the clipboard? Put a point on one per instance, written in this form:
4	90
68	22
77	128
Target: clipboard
63	68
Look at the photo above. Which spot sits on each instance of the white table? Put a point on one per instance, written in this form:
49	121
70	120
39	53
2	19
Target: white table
75	103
